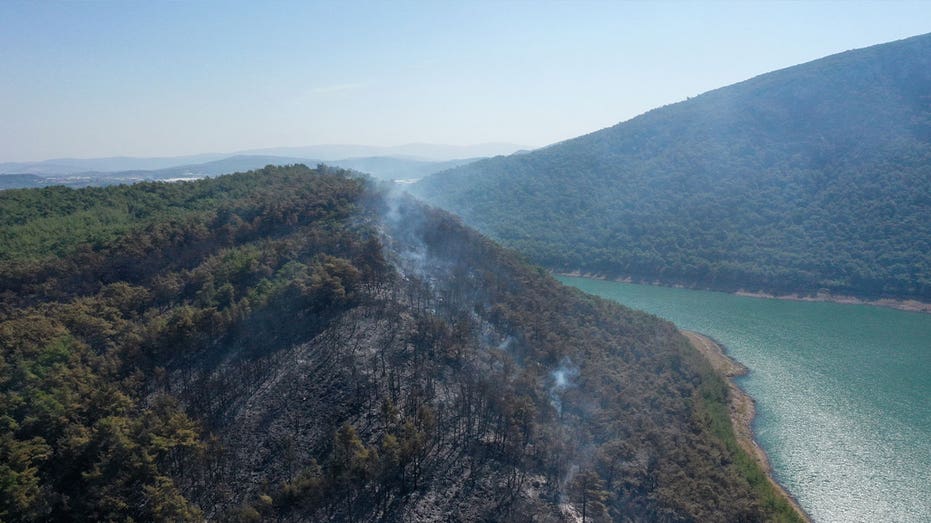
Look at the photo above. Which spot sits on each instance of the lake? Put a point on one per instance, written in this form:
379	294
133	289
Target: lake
843	393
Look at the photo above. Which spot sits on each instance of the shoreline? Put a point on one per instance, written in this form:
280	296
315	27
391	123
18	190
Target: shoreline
741	406
889	303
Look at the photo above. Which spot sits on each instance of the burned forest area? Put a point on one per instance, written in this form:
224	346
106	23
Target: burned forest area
298	344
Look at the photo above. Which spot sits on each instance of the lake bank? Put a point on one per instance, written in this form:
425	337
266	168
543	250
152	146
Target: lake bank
742	408
890	303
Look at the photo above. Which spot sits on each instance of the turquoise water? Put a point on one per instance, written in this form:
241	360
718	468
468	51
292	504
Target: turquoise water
843	393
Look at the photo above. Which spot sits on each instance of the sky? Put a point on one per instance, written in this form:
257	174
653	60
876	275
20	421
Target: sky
97	79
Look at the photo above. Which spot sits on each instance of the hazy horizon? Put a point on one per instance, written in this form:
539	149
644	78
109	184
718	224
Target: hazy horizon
97	80
280	151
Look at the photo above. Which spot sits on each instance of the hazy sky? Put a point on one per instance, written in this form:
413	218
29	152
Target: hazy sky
89	79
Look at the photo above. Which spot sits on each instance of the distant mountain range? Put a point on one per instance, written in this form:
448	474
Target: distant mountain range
414	151
379	167
812	178
99	178
324	153
61	166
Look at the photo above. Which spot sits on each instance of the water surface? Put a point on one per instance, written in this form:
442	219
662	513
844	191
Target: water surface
843	393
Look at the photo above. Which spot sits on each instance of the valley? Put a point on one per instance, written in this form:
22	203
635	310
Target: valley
439	262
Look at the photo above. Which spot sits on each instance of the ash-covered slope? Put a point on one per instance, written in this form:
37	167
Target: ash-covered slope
298	345
815	177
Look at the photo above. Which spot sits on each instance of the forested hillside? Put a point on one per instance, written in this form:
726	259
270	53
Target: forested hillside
815	177
298	345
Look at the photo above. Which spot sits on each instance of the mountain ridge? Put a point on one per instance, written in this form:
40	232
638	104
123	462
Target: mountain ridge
420	152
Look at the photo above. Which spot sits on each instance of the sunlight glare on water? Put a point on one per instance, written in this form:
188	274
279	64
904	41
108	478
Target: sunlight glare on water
843	393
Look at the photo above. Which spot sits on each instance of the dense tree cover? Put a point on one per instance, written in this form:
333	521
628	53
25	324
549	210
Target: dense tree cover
816	177
90	318
296	344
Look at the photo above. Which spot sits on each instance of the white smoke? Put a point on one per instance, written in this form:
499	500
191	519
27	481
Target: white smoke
563	379
404	224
